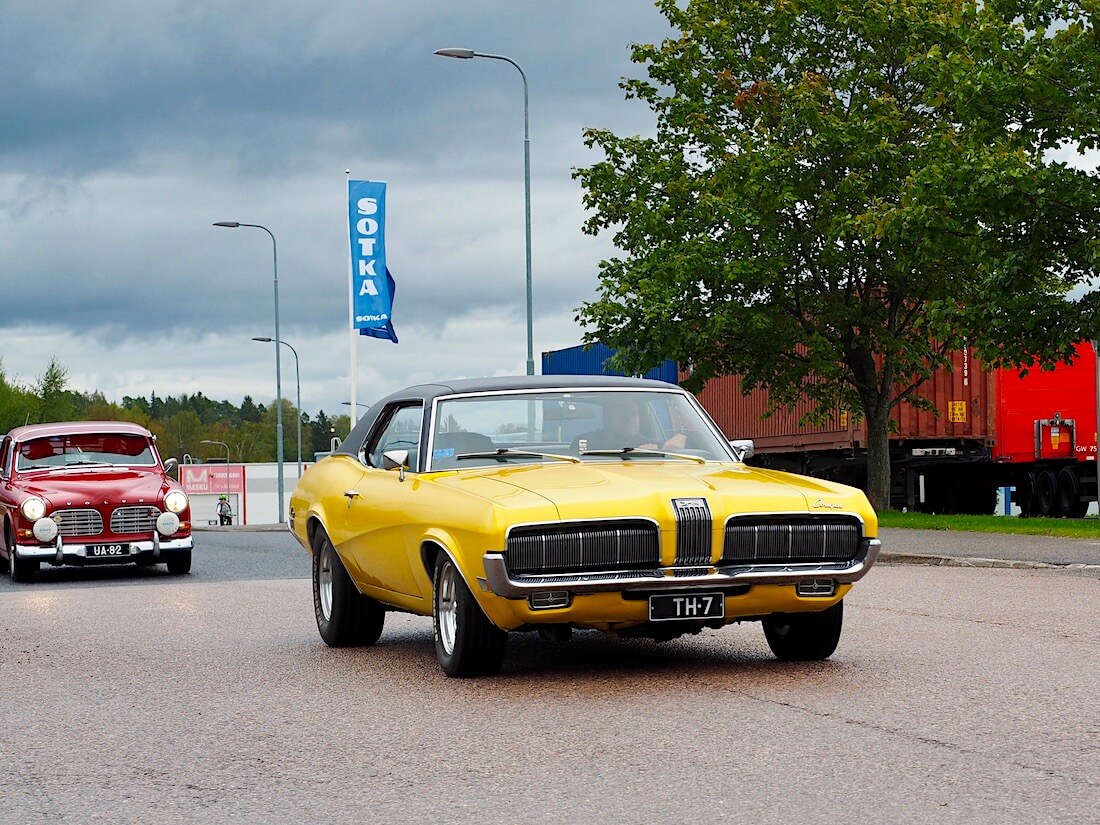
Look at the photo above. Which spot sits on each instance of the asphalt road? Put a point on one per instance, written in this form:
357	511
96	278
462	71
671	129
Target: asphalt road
957	695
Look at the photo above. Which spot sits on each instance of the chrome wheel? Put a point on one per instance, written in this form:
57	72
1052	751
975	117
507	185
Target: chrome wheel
345	617
324	581
466	642
447	607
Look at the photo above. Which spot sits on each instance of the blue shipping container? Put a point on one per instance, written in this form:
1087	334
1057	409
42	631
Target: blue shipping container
589	359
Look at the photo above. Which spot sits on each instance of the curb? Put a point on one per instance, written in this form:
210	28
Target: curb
239	528
887	557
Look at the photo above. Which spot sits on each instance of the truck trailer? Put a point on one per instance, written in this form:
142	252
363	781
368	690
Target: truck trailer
986	429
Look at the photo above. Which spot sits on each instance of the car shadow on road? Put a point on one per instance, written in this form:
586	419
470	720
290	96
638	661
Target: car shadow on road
590	656
121	574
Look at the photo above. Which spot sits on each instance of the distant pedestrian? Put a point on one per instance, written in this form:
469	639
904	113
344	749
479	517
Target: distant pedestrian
225	512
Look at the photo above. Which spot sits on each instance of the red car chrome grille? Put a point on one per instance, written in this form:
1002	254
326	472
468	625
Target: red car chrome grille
78	522
141	519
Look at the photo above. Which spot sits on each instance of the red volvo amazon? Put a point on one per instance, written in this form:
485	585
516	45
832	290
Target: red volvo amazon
89	493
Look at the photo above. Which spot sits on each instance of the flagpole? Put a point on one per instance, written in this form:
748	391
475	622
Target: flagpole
353	367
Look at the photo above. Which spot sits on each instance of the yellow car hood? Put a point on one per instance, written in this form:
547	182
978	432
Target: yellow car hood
646	488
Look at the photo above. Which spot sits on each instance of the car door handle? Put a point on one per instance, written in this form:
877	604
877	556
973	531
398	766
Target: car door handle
351	494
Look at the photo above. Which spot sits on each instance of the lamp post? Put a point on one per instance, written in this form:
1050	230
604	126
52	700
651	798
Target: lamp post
298	382
278	363
206	441
467	54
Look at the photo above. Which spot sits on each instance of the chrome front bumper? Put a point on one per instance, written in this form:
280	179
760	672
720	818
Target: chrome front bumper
500	583
59	550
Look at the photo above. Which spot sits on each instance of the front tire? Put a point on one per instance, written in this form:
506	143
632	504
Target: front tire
805	637
21	570
466	642
345	617
179	564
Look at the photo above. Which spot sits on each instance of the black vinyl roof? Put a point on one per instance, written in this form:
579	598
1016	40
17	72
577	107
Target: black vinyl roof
459	386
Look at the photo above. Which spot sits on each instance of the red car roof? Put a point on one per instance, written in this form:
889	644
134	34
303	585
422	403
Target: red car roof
72	427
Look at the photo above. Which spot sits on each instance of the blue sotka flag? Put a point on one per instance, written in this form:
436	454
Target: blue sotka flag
386	330
372	285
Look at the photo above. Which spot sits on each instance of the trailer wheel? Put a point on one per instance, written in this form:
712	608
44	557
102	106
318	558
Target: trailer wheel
1046	489
1069	494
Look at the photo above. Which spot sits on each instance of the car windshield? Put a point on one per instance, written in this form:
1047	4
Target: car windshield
585	425
85	450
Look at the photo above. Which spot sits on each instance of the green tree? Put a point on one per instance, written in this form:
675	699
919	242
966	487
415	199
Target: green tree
320	434
55	402
840	193
17	403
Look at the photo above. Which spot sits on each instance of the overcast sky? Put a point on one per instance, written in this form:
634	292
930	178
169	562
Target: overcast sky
130	127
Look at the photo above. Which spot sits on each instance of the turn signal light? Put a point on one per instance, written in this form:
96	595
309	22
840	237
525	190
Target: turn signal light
816	587
548	599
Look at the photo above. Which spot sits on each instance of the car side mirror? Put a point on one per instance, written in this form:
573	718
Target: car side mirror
743	448
396	460
170	465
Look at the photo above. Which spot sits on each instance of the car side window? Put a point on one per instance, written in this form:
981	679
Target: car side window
400	432
5	456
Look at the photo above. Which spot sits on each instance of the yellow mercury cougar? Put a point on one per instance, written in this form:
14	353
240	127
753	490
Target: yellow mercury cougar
548	503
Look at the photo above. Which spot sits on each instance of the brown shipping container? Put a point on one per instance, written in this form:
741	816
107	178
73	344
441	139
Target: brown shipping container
963	399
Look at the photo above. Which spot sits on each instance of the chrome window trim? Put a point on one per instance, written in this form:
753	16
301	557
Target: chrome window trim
566	388
380	425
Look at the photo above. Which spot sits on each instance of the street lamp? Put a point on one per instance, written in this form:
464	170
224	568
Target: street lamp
298	381
467	54
206	441
278	363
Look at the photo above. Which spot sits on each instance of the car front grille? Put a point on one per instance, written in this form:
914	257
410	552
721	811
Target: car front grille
141	519
693	530
78	522
784	539
579	547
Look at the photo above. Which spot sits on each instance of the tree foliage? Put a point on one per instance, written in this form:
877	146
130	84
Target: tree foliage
180	423
840	193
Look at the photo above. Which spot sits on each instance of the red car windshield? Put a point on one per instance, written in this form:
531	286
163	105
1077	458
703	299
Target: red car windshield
85	449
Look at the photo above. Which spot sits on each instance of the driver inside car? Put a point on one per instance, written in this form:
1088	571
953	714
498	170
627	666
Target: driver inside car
622	427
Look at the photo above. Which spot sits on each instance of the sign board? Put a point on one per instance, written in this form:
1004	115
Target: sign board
199	479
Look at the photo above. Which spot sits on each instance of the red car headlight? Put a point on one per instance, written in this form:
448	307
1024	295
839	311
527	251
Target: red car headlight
175	502
33	508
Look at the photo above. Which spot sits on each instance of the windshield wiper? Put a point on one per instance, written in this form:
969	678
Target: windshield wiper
81	465
627	452
505	452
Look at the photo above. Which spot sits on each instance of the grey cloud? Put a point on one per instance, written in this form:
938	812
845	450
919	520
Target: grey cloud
130	127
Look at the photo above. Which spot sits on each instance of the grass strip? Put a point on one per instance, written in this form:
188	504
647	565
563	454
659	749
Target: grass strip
1086	528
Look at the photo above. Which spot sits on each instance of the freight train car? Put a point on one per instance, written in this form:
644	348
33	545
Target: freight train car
986	429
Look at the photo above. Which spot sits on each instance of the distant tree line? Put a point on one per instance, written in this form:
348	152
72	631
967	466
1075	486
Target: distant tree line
180	423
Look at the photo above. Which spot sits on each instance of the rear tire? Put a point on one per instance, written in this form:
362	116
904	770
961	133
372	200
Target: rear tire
345	617
805	637
1069	494
1046	487
466	642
